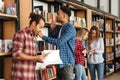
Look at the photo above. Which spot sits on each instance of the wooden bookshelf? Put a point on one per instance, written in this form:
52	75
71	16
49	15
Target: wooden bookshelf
117	44
2	54
7	16
109	36
109	31
47	74
82	10
9	26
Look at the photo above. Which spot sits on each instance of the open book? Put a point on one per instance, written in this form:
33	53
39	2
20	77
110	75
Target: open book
52	58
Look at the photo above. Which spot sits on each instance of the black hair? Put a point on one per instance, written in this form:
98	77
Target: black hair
66	10
35	17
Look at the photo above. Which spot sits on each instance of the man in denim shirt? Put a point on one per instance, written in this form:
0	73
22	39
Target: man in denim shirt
65	40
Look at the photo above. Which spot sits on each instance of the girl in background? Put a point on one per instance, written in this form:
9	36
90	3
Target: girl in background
96	50
80	51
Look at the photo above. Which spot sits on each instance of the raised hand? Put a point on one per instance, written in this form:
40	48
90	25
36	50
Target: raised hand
53	24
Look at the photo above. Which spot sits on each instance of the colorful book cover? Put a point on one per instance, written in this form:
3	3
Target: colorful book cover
10	8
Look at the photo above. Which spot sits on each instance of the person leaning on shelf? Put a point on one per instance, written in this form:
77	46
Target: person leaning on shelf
65	40
96	50
80	51
24	50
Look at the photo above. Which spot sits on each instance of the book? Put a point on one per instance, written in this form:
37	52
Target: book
10	8
52	57
6	45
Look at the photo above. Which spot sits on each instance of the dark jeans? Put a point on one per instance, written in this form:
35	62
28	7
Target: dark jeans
65	73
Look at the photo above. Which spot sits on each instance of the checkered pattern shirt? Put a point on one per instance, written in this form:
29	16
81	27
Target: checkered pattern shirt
79	56
65	42
23	42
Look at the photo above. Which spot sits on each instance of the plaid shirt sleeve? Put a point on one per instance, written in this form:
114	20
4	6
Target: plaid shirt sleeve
63	39
18	42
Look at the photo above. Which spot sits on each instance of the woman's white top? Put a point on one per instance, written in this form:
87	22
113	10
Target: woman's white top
95	58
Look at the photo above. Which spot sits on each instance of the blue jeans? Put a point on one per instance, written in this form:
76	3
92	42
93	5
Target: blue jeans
80	73
100	71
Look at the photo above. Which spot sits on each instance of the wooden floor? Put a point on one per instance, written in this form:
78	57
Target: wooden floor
114	76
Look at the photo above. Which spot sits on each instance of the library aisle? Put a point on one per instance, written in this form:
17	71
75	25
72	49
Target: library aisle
114	76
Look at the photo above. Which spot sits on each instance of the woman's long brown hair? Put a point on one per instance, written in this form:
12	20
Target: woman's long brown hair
90	39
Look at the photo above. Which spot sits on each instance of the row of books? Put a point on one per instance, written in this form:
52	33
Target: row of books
46	74
117	65
99	23
117	51
5	46
117	40
117	35
42	45
8	7
39	7
78	22
109	42
109	56
117	27
108	27
50	15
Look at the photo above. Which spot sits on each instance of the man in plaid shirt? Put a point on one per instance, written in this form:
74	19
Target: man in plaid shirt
25	51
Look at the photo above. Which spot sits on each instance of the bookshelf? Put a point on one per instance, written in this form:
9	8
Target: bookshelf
79	18
81	13
47	9
117	44
7	16
9	24
109	44
85	11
